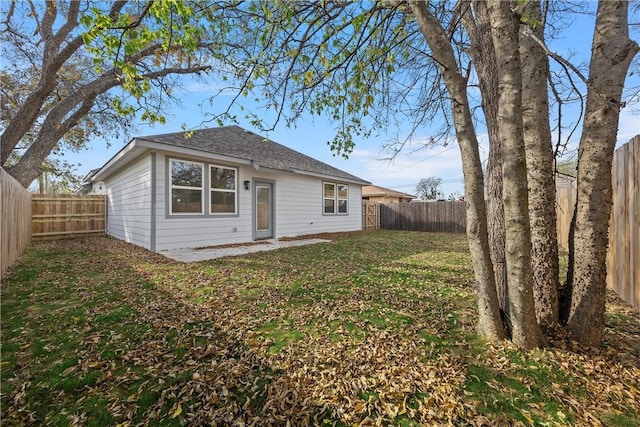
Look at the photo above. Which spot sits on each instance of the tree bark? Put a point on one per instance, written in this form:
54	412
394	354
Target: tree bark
478	27
67	113
540	175
60	43
611	55
53	59
489	324
504	30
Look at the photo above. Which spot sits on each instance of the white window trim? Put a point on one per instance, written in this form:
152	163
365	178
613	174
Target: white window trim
184	187
338	198
223	190
335	198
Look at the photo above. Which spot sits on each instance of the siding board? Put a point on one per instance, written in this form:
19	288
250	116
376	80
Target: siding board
129	203
298	211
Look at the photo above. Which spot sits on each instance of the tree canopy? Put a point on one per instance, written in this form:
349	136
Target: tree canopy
75	70
429	188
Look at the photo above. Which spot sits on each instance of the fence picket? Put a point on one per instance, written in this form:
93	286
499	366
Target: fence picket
15	220
623	256
66	215
443	217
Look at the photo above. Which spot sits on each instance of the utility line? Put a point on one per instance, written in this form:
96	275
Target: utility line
419	161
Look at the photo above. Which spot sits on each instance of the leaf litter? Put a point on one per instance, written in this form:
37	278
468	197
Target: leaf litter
372	329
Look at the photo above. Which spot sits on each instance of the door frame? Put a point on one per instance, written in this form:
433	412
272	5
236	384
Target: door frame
254	208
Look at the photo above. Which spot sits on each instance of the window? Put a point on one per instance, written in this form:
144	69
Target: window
335	198
223	190
329	198
186	187
343	197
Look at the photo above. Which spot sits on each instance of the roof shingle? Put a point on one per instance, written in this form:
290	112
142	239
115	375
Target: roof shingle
236	142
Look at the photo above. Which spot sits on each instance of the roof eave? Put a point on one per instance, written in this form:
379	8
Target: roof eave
114	162
354	180
141	145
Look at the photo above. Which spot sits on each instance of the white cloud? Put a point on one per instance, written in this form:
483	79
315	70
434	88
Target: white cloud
629	124
405	171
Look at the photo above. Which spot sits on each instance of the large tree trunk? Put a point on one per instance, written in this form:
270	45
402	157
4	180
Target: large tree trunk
483	56
504	29
489	324
53	59
540	176
611	56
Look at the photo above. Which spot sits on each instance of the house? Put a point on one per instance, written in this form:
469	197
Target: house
87	187
222	186
376	193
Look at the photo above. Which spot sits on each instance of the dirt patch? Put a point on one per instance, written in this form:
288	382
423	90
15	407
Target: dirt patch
325	236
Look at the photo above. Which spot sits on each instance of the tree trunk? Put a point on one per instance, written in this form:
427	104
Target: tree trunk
489	324
53	59
611	56
483	56
540	175
504	30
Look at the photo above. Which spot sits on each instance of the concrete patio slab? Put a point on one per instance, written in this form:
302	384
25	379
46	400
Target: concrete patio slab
203	254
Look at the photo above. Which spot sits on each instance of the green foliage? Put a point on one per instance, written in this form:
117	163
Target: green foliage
117	61
336	60
169	33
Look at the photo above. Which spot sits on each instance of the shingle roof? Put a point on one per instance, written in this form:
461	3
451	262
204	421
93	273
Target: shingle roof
376	190
236	142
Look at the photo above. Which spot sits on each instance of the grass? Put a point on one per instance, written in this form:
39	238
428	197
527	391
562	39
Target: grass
372	327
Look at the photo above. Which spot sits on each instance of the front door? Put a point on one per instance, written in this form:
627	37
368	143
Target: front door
263	208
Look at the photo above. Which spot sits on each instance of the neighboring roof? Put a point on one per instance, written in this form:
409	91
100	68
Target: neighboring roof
566	176
89	175
235	144
377	191
86	186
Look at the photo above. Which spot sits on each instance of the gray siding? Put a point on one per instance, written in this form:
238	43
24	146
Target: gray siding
129	203
173	232
299	207
298	211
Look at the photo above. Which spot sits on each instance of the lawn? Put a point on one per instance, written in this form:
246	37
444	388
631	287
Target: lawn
372	328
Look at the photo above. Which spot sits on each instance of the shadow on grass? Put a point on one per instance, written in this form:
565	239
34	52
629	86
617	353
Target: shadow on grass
372	327
89	337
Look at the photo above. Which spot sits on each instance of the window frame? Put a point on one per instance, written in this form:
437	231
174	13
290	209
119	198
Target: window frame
184	187
223	190
336	198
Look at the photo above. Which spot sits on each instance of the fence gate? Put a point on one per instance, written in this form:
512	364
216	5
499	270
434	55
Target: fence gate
64	215
370	215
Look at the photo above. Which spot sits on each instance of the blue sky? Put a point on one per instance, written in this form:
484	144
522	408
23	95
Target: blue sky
404	171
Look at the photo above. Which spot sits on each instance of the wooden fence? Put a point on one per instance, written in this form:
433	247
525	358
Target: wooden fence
444	216
623	257
565	205
370	215
15	220
65	215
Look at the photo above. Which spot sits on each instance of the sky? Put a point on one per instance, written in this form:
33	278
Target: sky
403	173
